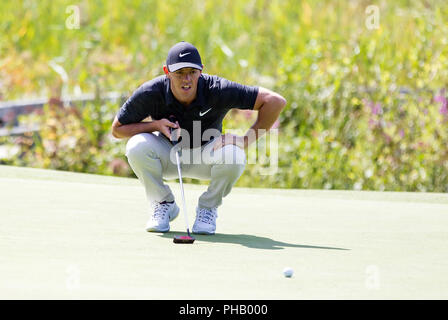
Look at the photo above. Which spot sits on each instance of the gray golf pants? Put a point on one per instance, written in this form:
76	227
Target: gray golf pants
152	158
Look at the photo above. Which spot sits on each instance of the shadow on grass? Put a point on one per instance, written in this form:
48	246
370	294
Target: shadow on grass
247	240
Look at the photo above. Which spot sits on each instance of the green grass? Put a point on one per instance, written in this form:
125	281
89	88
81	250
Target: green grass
320	55
69	236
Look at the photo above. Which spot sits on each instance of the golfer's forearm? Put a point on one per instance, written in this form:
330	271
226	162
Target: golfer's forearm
129	130
267	115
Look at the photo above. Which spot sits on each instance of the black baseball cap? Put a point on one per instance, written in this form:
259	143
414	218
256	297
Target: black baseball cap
183	55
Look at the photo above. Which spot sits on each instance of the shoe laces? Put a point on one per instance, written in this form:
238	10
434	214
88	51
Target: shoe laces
207	215
160	210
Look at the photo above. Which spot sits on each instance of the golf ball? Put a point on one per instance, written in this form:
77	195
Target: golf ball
288	272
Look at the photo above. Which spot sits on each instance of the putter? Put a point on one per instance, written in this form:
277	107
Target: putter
188	238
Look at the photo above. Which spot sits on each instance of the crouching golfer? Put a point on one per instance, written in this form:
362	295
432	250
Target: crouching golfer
199	102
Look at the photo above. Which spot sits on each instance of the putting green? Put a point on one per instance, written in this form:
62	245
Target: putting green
79	236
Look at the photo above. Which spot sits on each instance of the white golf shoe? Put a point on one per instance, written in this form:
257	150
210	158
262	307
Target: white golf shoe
205	221
162	214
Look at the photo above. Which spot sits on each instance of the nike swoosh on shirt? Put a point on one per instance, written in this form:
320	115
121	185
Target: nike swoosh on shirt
183	55
202	113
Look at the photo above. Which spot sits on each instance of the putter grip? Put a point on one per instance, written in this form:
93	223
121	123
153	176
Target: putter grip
172	137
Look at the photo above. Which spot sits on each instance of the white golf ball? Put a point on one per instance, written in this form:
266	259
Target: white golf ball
288	272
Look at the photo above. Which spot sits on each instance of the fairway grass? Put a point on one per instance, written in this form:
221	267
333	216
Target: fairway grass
68	235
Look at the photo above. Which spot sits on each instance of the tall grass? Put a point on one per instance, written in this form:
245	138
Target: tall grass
366	107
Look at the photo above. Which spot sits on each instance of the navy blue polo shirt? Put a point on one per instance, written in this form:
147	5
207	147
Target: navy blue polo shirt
215	97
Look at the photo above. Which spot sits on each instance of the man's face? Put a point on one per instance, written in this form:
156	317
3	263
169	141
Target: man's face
184	84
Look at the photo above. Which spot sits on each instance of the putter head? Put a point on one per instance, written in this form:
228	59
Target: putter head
183	239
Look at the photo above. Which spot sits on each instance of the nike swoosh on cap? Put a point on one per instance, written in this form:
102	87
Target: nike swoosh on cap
183	55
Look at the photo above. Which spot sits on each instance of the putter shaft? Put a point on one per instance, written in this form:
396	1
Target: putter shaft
189	238
182	192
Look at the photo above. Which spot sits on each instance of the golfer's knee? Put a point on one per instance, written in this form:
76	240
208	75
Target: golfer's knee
234	161
233	155
139	146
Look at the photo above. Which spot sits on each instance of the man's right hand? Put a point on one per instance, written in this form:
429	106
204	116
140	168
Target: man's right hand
164	125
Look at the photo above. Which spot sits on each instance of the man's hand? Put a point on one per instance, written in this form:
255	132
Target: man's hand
239	141
164	125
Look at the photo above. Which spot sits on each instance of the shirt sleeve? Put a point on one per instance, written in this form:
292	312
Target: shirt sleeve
137	107
231	94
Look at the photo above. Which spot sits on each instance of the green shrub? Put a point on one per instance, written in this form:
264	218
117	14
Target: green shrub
367	109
